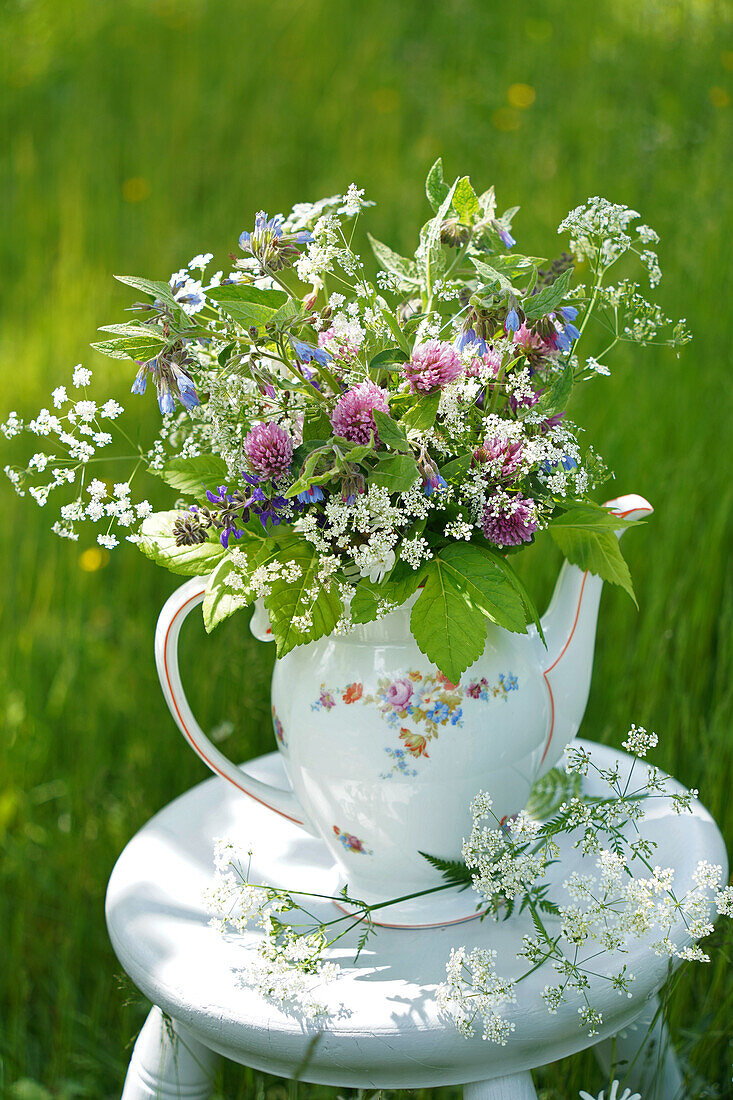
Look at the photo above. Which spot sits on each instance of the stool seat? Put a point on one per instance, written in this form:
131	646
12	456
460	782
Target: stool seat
385	1029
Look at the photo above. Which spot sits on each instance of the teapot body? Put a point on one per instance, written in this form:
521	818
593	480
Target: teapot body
385	754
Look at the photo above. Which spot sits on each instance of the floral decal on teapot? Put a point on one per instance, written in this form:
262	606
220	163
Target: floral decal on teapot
352	843
429	702
278	728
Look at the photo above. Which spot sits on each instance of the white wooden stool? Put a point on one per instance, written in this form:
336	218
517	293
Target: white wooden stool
386	1030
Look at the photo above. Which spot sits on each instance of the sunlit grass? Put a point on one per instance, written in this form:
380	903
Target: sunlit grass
139	133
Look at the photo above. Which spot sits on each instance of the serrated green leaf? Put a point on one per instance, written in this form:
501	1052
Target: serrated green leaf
288	599
446	626
158	543
404	270
474	571
422	415
465	202
595	550
435	186
220	601
397	588
390	432
454	871
395	472
195	474
549	298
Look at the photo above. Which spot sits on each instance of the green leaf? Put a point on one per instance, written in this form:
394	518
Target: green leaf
475	572
390	432
435	186
457	467
405	270
447	627
395	472
430	252
248	305
193	475
365	601
316	424
511	262
290	309
584	515
220	601
465	202
595	550
549	298
288	599
152	287
556	398
158	543
423	413
357	452
492	278
130	347
397	588
387	358
135	329
454	871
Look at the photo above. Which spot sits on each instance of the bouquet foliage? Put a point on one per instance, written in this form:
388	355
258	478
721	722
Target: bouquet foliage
336	443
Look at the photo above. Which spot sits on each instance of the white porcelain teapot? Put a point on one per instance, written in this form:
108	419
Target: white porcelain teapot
384	754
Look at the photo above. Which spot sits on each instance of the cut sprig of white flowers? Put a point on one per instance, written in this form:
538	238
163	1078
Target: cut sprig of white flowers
623	898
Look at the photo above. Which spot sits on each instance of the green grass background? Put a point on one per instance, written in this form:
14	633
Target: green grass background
139	132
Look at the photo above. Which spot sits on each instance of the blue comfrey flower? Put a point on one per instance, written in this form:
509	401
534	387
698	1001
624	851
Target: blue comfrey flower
504	235
186	388
567	462
311	495
562	341
306	353
467	337
569	313
512	320
435	483
571	331
171	382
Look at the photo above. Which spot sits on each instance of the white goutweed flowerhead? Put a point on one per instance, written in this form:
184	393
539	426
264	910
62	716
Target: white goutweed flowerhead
613	1094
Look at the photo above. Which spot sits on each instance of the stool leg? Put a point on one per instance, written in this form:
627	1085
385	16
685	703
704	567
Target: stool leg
167	1064
655	1072
516	1087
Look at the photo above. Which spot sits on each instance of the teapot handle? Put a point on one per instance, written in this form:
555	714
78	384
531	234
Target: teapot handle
171	618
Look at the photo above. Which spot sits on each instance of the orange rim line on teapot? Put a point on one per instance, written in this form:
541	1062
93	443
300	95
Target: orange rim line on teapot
621	515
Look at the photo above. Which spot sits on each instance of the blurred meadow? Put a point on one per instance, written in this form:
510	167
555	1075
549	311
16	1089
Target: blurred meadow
137	133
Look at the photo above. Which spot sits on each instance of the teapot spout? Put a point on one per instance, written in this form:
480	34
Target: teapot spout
569	626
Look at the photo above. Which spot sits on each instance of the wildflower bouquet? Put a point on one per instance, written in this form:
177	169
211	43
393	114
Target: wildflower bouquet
336	443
